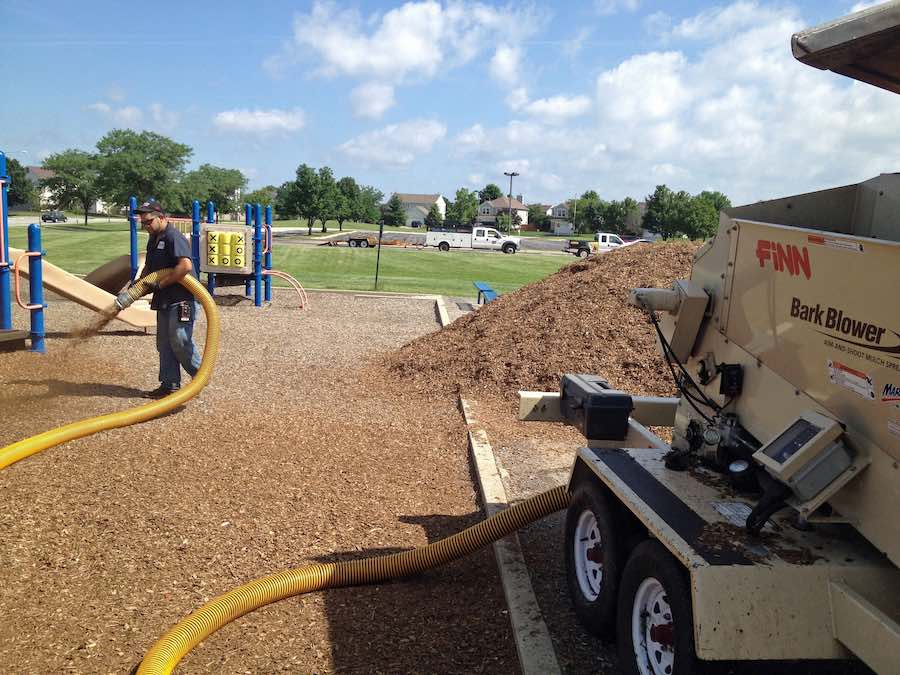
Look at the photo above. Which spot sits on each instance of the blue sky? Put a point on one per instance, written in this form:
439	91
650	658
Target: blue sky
426	96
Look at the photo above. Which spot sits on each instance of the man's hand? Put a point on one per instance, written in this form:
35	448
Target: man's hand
123	300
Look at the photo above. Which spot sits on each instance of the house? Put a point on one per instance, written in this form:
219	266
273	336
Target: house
35	174
561	219
488	211
417	207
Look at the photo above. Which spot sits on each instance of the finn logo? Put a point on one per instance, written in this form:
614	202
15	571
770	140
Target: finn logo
890	393
784	257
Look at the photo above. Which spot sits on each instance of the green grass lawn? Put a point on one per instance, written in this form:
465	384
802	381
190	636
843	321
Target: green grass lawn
80	249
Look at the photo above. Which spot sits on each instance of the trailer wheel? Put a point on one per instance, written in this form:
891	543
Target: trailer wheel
353	243
364	243
583	253
444	246
593	560
655	623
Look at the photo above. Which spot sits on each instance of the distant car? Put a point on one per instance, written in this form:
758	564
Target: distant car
54	217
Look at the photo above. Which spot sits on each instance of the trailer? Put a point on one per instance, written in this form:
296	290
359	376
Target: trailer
765	530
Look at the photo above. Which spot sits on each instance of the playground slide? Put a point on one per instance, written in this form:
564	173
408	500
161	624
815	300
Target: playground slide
113	276
86	294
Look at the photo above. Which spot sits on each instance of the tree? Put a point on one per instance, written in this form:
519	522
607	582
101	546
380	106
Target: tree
212	183
327	197
434	218
464	208
369	205
267	195
614	217
348	200
144	164
718	200
75	180
490	192
590	196
502	220
698	218
538	217
395	215
304	194
286	204
21	190
661	214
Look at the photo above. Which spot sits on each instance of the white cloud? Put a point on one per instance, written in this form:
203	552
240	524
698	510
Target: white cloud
860	6
558	109
738	114
162	117
260	121
517	98
476	179
125	116
575	44
505	65
395	145
372	99
613	6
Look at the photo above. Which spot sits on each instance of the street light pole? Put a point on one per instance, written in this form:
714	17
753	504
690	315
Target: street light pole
509	202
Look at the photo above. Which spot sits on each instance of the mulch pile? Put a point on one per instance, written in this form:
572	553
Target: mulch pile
576	320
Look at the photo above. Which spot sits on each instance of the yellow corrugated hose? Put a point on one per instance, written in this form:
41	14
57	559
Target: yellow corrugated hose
22	449
186	634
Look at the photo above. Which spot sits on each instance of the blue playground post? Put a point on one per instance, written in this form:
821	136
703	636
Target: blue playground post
36	289
133	226
210	276
248	221
5	299
257	256
195	236
268	259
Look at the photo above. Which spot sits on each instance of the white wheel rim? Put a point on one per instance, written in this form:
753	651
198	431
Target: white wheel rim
588	555
653	629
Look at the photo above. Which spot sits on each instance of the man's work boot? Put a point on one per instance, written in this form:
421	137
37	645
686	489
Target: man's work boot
161	391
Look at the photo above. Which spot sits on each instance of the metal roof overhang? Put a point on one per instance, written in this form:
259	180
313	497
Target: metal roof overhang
864	46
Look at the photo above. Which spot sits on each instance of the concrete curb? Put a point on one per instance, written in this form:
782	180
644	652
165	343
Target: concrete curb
533	643
443	317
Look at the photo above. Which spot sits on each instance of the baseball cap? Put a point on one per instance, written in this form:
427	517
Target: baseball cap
151	206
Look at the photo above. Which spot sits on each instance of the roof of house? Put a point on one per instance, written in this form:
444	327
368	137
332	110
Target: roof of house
504	203
418	199
36	173
565	204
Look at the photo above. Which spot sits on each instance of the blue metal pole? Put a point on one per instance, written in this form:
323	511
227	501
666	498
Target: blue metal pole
210	218
195	236
248	221
133	227
268	260
5	298
36	289
257	256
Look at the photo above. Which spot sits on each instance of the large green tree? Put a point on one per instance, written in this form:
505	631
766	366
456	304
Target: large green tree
75	180
212	183
327	202
305	191
286	200
538	218
395	215
673	214
464	209
144	164
661	215
433	218
370	199
719	201
266	196
615	214
348	201
491	191
22	191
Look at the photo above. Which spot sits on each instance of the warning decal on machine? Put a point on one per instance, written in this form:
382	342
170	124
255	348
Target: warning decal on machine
854	380
834	242
735	512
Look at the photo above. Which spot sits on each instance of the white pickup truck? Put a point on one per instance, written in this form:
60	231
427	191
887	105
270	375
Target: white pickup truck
604	241
479	238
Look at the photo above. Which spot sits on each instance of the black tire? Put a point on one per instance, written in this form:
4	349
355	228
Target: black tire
583	253
596	613
364	243
650	562
509	249
444	246
353	243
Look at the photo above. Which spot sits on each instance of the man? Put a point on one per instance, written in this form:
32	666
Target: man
175	307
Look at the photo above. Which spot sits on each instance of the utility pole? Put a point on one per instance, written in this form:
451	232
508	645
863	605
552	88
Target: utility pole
509	203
